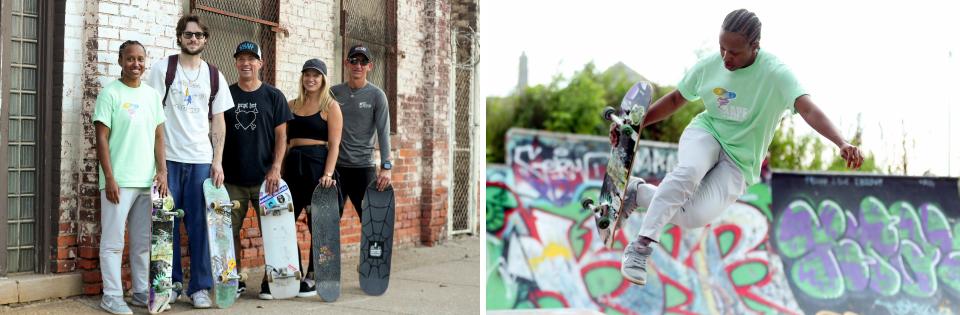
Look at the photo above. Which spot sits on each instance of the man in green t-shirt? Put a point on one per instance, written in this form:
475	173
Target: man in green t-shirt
745	92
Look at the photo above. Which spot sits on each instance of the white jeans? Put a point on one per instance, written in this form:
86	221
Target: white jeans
113	218
704	184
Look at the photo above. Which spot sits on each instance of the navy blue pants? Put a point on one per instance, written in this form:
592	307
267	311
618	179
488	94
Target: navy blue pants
186	185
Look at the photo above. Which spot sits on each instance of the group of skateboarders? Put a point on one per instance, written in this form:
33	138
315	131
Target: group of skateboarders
241	137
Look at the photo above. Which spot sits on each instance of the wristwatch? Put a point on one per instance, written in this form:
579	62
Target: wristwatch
386	165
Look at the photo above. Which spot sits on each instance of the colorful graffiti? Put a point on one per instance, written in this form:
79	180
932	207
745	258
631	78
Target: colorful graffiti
543	250
870	244
795	244
553	166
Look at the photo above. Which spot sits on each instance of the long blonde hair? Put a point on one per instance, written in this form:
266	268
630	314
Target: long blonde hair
326	97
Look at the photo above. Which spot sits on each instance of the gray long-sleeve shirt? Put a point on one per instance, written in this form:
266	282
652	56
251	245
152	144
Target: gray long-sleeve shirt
365	111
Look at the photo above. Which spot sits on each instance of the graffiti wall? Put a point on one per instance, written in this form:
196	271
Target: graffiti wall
543	251
796	244
869	245
552	166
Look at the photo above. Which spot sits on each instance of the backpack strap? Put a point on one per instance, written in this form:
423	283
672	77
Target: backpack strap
214	88
171	72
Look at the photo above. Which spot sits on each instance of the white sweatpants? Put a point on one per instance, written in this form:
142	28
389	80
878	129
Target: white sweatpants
705	182
113	218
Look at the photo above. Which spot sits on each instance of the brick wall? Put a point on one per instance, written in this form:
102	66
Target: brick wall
93	33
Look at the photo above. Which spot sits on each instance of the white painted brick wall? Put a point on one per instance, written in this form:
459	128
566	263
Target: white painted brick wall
309	23
409	41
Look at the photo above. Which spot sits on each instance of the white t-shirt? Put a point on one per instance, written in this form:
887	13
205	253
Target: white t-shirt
186	132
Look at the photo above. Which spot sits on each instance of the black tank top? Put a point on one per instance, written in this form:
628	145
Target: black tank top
307	127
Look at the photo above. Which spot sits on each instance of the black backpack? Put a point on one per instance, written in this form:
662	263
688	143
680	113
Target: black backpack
214	82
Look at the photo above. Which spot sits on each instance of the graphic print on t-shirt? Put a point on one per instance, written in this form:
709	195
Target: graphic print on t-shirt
246	116
725	106
191	93
131	109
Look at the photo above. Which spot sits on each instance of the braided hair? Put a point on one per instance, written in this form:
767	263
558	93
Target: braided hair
127	44
744	23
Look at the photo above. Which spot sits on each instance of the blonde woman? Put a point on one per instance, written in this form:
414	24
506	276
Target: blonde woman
314	144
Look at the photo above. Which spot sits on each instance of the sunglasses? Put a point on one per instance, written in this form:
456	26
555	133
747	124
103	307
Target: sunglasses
362	62
198	35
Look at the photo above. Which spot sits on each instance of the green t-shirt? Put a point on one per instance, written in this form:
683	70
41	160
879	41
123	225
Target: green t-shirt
743	107
132	114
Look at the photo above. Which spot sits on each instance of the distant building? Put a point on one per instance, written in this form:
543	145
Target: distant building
522	80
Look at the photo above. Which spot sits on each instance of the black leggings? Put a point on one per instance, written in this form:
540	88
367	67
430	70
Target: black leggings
354	185
302	170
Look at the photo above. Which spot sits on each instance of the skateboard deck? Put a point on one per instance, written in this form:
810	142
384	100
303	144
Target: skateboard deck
223	261
325	229
607	209
161	251
376	240
280	242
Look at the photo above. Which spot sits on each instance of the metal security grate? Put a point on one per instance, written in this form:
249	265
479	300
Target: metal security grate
235	21
22	140
372	23
464	207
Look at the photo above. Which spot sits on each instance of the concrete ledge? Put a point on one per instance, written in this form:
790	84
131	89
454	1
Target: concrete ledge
33	287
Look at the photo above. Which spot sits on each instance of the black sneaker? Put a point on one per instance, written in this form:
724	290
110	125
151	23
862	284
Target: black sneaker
242	288
307	290
265	292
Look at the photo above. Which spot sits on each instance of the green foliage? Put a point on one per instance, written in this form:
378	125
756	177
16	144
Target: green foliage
576	108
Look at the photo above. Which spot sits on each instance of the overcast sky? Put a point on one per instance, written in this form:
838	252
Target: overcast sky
889	62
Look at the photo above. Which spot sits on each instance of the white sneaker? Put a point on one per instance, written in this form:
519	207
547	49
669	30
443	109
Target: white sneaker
201	299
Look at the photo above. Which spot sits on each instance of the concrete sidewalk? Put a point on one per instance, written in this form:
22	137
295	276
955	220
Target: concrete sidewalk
444	279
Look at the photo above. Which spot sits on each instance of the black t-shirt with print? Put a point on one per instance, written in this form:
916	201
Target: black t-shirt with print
251	134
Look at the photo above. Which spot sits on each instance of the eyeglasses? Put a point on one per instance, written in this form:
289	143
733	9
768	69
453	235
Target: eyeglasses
198	35
362	62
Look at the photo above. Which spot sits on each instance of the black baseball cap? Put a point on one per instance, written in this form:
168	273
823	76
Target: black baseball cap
315	64
248	47
359	49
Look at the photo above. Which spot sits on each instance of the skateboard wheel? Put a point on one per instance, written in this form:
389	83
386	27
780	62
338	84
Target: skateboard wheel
242	276
179	213
608	113
236	204
290	207
215	205
298	275
626	129
177	286
603	223
587	203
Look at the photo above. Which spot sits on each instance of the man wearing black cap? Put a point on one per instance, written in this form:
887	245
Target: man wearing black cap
255	141
365	111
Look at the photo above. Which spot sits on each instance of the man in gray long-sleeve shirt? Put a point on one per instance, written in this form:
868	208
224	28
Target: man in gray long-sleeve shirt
365	111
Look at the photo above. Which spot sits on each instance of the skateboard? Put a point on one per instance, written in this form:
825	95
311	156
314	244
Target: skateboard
607	210
223	261
325	229
279	231
376	240
161	251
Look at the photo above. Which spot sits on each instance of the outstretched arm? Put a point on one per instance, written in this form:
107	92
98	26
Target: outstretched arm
664	107
659	110
819	121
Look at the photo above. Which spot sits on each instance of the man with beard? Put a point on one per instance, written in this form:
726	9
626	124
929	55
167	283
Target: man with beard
195	97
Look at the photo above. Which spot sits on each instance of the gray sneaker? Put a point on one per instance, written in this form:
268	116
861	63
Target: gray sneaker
634	264
139	299
201	299
114	305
